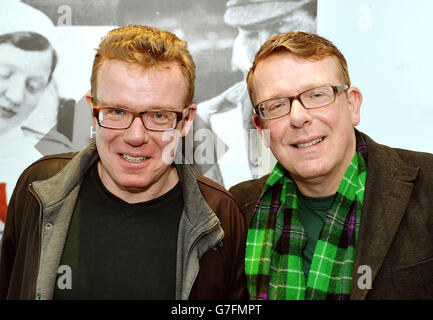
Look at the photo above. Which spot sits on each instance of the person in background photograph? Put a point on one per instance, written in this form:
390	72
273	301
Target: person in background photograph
255	22
28	97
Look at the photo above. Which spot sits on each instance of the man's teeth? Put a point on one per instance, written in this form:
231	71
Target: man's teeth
133	159
303	145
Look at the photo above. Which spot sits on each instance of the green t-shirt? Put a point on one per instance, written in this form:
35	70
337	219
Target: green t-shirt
118	250
312	213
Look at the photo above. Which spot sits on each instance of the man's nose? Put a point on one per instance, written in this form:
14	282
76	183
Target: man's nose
299	116
136	134
16	91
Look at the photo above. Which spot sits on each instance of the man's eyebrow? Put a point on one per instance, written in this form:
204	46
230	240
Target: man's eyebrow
119	106
111	105
164	108
303	88
306	87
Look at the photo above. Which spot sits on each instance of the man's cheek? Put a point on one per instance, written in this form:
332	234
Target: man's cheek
277	135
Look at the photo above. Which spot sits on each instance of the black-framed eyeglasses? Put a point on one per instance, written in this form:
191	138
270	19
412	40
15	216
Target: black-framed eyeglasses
310	99
118	118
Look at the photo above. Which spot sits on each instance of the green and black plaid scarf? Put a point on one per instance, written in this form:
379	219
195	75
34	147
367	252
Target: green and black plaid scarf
276	239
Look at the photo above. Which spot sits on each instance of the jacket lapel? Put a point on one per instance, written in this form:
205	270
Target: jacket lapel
57	196
197	222
387	193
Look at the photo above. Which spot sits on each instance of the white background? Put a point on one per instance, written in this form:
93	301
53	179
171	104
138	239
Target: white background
388	47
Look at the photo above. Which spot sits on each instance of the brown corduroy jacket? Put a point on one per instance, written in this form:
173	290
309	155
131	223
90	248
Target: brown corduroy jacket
396	232
211	241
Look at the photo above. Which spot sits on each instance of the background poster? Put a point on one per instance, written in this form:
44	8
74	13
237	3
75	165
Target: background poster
385	43
223	37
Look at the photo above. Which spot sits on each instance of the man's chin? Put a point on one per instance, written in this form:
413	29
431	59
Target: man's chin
135	187
309	171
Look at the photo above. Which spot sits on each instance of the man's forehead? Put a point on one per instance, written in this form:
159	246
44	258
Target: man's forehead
326	64
27	60
116	70
132	67
121	84
273	78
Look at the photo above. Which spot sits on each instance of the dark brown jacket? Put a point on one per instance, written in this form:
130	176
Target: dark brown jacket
396	232
211	241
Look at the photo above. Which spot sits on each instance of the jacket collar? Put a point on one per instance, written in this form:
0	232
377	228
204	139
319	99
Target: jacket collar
387	193
197	211
199	227
56	188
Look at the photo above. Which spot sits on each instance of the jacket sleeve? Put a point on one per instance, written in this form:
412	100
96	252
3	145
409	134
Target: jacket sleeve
246	195
239	236
221	275
20	243
8	247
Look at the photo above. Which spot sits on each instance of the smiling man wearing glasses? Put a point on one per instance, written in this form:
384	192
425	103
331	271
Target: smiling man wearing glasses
340	216
121	219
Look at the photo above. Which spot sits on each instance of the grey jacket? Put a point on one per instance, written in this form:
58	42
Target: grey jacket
209	216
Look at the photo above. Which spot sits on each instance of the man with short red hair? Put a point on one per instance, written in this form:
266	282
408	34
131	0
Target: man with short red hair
127	217
340	216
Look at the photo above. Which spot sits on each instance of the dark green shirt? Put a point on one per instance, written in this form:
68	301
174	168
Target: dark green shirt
312	213
118	250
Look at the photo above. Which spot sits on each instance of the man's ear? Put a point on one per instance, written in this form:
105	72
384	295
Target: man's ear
264	132
89	102
188	121
89	99
354	97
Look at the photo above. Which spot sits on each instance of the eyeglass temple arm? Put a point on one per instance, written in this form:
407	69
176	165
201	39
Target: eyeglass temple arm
341	88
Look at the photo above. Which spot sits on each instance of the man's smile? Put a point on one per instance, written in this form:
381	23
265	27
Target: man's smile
133	159
308	142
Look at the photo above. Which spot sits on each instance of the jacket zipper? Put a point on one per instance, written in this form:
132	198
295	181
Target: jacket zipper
196	241
205	233
33	192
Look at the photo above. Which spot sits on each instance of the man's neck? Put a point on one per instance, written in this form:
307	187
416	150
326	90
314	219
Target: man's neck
318	187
